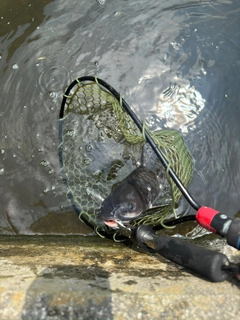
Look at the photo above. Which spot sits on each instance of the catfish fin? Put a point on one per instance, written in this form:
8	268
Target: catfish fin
165	196
162	202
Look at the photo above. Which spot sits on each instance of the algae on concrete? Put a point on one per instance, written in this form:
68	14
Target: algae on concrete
79	277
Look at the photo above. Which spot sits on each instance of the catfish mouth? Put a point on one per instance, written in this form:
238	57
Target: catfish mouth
111	223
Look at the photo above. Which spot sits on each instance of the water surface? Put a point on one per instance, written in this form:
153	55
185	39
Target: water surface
176	62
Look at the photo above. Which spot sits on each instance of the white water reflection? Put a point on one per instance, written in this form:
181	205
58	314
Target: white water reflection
177	106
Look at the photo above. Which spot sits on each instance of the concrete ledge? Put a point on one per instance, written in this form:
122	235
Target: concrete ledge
77	277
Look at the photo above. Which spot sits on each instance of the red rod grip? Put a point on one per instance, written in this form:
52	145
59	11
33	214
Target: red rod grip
205	216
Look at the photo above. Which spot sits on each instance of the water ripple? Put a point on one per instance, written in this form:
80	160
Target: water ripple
177	64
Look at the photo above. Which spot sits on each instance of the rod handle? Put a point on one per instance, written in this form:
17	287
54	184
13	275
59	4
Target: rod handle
221	224
206	262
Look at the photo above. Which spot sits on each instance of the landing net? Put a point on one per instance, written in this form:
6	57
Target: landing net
101	145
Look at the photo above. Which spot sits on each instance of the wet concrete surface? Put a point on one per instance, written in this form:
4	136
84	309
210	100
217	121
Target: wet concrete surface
83	277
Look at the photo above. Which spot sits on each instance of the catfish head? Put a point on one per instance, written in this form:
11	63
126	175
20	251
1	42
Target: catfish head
131	198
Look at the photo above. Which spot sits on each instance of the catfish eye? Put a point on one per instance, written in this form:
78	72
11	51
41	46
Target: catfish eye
131	206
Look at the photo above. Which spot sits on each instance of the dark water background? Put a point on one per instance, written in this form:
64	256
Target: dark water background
177	63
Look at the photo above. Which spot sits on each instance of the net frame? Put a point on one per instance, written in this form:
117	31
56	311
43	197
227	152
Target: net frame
131	129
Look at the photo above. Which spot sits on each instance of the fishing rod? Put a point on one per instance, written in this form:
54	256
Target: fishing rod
213	265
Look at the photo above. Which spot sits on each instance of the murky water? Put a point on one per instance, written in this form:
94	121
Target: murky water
176	62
